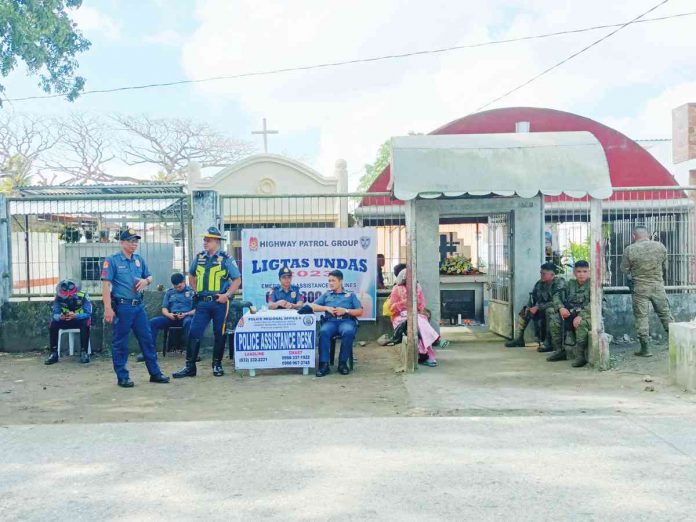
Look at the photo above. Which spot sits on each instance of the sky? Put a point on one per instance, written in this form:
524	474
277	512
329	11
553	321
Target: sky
630	82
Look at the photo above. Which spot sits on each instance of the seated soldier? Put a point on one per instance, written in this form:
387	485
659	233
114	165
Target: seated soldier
540	309
573	306
177	309
71	309
340	309
286	295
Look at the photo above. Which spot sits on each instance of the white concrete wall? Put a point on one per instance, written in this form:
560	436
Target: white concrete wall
682	355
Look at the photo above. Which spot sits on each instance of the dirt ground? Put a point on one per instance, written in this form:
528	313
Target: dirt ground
473	379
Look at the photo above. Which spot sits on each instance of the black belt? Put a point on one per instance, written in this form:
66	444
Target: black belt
208	298
132	302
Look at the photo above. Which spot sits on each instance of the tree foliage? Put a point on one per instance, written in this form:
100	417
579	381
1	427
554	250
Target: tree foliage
41	34
372	170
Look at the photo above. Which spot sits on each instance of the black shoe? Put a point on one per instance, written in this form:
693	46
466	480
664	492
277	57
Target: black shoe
544	349
515	343
126	383
140	358
187	371
217	369
559	355
579	362
161	378
343	368
52	359
323	370
84	357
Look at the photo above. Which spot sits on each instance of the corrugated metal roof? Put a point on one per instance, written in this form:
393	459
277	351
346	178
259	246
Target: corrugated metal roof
87	190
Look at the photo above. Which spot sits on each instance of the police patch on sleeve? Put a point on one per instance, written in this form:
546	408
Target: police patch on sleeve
106	263
137	263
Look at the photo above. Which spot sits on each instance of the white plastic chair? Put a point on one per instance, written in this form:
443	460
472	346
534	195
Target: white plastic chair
72	332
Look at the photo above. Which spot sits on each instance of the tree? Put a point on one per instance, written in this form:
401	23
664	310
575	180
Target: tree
172	144
42	35
85	149
15	173
372	170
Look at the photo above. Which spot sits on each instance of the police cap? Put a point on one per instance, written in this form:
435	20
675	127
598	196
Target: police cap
128	234
285	271
214	233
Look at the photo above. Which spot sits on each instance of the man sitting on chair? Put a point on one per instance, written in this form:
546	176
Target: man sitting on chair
177	309
340	309
286	295
71	309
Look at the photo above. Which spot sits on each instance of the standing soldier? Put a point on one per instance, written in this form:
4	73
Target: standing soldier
644	263
540	309
124	277
215	278
573	306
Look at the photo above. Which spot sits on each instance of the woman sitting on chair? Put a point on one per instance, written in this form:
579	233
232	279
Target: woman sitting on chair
426	333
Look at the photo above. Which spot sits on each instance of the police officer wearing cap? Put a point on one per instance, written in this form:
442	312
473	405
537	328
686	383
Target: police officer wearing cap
286	295
71	308
341	310
124	278
215	278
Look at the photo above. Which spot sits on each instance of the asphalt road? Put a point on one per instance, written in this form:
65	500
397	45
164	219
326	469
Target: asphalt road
569	467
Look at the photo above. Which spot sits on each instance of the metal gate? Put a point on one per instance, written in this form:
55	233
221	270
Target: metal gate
500	314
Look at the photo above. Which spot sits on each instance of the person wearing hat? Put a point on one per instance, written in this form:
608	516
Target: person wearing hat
177	308
71	308
124	277
341	310
286	295
215	278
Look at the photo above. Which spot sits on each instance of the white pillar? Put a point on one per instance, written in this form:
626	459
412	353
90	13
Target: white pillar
341	173
598	349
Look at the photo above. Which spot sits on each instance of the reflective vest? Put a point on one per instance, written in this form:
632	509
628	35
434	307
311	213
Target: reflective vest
72	304
211	272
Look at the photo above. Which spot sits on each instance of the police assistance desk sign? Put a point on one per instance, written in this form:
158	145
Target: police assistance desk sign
275	339
311	253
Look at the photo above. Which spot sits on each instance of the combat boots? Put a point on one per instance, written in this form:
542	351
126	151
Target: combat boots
546	347
191	354
517	342
644	350
558	355
84	357
580	359
53	358
218	352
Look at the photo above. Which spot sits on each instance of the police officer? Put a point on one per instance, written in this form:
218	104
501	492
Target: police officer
286	295
573	306
215	277
340	309
124	277
177	308
644	263
540	309
71	308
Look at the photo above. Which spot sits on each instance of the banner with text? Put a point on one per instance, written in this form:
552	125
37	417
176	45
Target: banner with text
311	253
275	339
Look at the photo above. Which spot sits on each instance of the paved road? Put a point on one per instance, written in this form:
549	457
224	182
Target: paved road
570	467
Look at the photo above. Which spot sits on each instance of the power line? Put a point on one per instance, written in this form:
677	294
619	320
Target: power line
575	54
358	60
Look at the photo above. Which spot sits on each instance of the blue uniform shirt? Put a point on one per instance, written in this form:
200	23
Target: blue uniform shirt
86	306
178	302
123	272
291	296
340	300
208	262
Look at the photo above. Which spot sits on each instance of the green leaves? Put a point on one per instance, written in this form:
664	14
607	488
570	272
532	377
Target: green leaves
42	35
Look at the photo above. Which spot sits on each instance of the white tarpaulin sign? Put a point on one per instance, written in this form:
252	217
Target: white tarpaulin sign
275	339
311	253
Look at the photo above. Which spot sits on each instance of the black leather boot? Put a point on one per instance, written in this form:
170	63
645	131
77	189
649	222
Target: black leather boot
53	358
84	357
191	353
517	342
218	352
580	359
323	369
559	355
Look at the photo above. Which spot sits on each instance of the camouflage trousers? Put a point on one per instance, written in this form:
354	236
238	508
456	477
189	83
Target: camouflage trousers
544	319
581	333
643	295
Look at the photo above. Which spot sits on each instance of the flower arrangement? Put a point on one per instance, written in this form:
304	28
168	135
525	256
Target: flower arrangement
458	265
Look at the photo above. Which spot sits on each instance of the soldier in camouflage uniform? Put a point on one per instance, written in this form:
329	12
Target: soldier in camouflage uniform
573	307
644	263
540	310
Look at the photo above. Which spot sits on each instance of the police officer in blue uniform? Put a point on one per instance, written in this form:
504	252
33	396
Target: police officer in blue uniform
177	308
286	295
340	309
215	278
124	277
71	308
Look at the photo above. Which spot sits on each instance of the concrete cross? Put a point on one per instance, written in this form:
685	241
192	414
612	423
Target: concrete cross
265	133
447	246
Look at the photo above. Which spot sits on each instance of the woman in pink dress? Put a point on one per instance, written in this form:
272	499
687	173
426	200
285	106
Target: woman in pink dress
426	333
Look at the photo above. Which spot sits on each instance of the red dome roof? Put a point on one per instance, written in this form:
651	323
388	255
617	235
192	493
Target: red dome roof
630	165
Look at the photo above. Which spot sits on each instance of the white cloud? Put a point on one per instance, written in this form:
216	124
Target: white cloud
357	107
167	37
94	23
